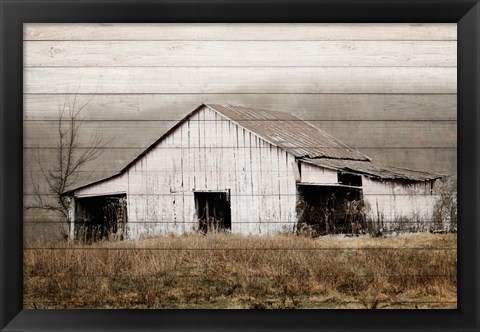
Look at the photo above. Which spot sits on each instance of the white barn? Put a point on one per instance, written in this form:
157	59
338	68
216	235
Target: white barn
250	171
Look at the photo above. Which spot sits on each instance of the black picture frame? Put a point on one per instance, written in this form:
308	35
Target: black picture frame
14	13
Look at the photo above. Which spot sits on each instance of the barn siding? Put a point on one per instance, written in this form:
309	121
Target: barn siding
116	185
319	175
398	204
209	153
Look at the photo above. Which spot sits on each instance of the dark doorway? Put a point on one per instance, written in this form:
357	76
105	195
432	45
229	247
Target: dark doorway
325	210
101	217
213	211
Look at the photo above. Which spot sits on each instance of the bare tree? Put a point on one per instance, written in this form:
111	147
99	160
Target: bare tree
70	158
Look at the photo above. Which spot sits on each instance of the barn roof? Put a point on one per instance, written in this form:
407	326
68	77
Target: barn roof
301	139
289	133
372	169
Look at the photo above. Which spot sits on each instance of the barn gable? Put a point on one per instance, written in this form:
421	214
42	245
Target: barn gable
206	164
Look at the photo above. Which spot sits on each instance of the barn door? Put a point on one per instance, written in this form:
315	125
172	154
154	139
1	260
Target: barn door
213	211
101	217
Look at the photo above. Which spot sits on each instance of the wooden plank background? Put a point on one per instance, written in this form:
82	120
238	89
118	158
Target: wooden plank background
239	54
387	89
246	31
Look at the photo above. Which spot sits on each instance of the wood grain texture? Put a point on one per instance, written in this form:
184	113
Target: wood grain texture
439	160
388	89
115	159
240	80
240	53
245	31
369	134
335	107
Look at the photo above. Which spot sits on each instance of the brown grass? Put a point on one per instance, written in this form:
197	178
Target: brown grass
230	271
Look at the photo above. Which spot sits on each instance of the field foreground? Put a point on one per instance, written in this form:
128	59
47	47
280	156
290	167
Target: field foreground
231	271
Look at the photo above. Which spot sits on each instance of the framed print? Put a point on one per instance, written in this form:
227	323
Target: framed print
251	157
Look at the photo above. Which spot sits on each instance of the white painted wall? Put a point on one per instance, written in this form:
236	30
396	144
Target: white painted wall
399	205
318	175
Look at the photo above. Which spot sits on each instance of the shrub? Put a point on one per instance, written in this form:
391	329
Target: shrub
333	215
445	211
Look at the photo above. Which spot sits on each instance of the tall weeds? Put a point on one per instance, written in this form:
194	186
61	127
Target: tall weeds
230	271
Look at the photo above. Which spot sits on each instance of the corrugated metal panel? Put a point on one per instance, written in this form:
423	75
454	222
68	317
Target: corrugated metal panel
288	132
372	169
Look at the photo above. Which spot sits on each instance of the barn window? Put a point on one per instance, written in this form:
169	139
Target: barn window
349	179
213	211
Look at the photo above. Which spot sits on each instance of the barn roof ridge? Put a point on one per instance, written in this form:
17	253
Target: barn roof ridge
278	134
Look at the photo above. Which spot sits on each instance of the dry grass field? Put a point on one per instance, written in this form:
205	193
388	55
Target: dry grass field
230	271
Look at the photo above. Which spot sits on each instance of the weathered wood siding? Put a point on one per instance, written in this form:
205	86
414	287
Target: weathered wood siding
399	205
116	185
396	204
211	153
317	175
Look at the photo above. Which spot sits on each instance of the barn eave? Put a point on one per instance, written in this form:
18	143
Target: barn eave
71	191
373	170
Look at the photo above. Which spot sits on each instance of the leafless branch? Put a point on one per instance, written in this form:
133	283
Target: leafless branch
69	159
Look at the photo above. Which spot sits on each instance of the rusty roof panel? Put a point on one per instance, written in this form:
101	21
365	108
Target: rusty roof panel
374	170
288	132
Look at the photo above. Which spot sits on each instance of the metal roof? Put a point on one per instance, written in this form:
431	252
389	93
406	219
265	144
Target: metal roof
372	169
288	132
